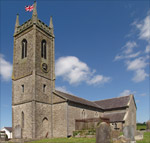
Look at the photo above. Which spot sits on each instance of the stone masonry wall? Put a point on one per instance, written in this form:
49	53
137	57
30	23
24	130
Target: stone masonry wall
43	95
43	120
60	120
23	67
114	111
17	118
76	111
20	96
131	114
40	35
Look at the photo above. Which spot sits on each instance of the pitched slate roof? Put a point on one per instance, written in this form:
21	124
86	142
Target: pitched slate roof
114	103
8	128
76	99
115	117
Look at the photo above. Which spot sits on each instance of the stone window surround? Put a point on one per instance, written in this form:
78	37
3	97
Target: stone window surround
43	49
44	87
24	49
22	88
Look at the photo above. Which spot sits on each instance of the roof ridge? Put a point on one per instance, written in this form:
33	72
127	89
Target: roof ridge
113	98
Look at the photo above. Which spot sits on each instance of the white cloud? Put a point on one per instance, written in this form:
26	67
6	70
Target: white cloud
136	64
71	69
127	92
74	71
133	55
128	48
5	68
98	79
139	75
131	58
127	51
63	89
147	50
118	57
144	28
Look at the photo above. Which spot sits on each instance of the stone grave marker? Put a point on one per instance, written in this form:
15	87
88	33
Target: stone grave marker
103	133
148	125
129	132
17	132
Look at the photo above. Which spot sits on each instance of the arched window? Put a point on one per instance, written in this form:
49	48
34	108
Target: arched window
43	49
44	87
24	48
22	119
83	114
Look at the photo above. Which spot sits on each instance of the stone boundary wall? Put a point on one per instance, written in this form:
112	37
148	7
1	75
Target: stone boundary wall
89	123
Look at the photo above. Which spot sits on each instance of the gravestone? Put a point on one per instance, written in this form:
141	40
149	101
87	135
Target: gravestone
148	125
17	132
129	132
103	133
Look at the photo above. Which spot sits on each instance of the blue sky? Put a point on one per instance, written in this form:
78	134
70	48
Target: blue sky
101	47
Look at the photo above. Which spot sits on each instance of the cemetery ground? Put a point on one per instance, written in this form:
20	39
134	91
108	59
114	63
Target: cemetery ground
88	136
146	139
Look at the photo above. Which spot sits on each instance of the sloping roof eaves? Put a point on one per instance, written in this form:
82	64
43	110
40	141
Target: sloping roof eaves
8	128
76	99
132	97
115	117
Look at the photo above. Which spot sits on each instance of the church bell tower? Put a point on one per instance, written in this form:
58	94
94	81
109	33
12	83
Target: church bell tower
33	78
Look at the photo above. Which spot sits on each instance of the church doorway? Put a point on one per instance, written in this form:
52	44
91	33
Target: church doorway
45	127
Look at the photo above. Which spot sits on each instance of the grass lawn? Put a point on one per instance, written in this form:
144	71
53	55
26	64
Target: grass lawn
66	140
83	140
146	138
141	126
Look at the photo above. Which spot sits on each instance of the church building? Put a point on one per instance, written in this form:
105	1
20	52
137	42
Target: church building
38	110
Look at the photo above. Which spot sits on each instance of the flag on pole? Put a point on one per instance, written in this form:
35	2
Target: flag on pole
29	8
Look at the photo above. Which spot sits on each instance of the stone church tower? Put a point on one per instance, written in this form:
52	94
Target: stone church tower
33	78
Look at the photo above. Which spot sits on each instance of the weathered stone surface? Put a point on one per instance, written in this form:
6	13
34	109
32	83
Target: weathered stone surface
103	133
148	124
115	134
130	119
17	132
129	132
17	119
